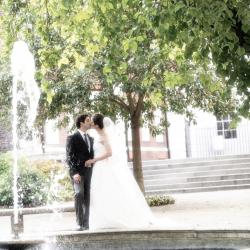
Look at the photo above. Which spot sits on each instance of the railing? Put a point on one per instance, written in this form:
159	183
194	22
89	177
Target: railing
205	142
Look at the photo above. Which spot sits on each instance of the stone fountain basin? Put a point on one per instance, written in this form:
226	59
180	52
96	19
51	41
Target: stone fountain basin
134	239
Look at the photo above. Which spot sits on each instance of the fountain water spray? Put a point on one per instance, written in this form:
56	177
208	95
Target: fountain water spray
23	71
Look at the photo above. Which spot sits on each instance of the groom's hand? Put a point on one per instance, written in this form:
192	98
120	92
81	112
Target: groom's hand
77	178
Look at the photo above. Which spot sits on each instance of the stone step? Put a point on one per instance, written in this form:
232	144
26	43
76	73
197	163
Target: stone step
197	179
196	168
197	175
164	165
221	172
196	190
219	178
189	160
199	184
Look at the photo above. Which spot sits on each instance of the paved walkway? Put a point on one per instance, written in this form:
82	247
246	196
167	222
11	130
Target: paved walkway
210	210
207	210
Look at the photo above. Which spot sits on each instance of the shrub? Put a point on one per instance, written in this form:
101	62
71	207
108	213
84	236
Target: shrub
59	183
32	185
43	182
32	188
66	193
39	182
5	162
6	196
159	200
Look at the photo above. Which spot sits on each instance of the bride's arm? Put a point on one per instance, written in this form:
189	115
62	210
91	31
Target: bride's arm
107	154
107	149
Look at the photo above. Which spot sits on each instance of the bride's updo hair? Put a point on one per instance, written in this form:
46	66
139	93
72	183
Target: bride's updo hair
98	120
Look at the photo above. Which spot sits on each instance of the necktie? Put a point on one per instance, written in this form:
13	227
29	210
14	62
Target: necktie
86	140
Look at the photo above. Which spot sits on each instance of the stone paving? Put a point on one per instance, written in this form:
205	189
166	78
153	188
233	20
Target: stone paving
207	210
210	210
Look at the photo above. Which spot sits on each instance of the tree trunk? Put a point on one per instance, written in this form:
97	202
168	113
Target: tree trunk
136	149
126	140
41	132
167	136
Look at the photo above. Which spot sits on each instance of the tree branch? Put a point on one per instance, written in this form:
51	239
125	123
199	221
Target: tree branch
139	105
120	102
130	102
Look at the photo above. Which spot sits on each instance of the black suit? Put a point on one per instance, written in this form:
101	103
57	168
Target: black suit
77	154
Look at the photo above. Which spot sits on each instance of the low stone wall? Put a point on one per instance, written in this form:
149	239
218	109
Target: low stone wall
146	239
17	228
38	210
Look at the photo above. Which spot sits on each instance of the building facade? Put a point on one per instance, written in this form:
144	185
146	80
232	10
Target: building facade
207	138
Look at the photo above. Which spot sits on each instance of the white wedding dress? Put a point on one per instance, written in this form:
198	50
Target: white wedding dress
115	200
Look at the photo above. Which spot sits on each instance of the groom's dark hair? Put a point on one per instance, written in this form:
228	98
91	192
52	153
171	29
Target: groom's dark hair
98	120
81	118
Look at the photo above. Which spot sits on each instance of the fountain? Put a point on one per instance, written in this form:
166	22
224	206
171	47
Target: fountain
23	71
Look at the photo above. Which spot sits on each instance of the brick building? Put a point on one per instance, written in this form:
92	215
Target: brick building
152	148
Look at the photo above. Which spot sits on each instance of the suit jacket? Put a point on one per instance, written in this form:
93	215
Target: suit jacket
77	153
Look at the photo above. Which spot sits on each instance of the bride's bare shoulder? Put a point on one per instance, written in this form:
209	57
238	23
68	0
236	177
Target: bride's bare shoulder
101	136
105	138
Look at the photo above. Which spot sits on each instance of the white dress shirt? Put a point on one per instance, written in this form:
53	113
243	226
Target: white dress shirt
86	139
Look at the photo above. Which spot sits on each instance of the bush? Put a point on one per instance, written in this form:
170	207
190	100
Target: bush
159	200
32	185
6	196
4	163
39	182
44	182
32	188
59	183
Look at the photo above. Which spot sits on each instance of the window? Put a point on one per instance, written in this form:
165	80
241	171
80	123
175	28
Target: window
223	128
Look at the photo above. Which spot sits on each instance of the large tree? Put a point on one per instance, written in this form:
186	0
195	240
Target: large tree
122	58
218	30
137	71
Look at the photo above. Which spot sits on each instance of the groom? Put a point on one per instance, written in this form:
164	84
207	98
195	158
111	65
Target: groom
79	149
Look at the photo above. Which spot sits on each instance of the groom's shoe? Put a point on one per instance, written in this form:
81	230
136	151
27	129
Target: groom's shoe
82	228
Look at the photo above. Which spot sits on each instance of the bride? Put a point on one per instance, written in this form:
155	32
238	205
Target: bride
116	200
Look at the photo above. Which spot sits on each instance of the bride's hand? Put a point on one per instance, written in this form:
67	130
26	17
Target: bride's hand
89	163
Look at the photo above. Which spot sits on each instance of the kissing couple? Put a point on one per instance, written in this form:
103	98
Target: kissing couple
105	191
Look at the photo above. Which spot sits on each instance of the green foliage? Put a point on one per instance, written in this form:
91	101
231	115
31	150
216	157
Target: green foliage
139	49
5	163
130	58
159	200
65	192
45	182
59	182
33	188
217	32
31	184
5	96
39	183
6	196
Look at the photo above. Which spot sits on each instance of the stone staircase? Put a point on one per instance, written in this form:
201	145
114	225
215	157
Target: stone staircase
197	175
